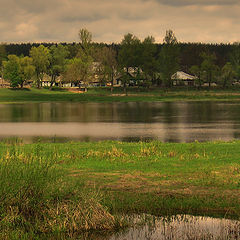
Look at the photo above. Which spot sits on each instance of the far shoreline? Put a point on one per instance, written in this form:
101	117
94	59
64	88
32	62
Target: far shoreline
33	95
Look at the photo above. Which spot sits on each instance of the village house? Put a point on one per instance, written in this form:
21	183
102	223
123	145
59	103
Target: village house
183	79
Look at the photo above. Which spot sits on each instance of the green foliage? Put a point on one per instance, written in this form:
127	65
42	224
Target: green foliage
197	71
106	68
79	70
209	67
11	70
18	70
85	39
235	59
58	61
41	61
129	53
149	64
227	74
169	58
3	53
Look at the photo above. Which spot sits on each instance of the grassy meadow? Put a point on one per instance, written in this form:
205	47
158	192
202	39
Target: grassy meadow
76	187
118	95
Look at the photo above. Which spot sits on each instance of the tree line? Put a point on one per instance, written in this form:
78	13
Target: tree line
133	61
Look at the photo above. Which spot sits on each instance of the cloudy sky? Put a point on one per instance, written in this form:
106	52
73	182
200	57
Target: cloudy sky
212	21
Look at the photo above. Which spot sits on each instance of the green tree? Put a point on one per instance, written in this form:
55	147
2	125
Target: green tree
18	70
235	59
11	70
41	61
129	56
107	67
79	70
209	67
58	55
85	41
227	74
129	53
148	60
197	71
3	53
3	57
169	58
27	70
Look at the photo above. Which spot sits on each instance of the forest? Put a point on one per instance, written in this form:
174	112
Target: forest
133	62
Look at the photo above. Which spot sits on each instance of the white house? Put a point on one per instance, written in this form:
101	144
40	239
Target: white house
182	78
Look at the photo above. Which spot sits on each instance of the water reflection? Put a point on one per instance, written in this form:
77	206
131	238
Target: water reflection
168	122
183	227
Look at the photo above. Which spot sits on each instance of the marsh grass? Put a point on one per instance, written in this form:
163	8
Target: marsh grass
37	197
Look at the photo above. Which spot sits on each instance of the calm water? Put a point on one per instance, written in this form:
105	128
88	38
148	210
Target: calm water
183	227
180	227
168	122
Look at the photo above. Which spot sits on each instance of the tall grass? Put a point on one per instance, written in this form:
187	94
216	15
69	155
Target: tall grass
37	198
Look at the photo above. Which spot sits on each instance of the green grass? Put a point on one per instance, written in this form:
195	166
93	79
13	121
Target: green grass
105	95
77	186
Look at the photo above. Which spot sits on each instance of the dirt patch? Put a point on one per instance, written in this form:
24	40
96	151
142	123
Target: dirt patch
76	90
142	183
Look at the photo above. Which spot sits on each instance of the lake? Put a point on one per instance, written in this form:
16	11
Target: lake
133	121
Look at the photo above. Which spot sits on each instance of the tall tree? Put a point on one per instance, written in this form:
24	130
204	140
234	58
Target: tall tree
107	67
197	71
3	57
18	70
235	58
148	60
11	70
3	53
79	70
58	55
27	69
41	61
227	74
129	53
85	38
129	56
169	58
209	67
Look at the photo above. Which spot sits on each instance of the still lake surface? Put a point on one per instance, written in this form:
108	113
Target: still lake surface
133	121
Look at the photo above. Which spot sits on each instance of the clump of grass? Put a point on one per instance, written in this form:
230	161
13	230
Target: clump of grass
71	216
172	154
108	154
150	149
35	197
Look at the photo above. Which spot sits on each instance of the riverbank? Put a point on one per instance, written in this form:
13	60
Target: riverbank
118	95
52	183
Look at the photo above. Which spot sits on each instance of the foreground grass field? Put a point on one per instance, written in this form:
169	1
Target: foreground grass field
118	95
74	187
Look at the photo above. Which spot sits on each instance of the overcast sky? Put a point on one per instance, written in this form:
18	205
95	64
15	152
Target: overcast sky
212	21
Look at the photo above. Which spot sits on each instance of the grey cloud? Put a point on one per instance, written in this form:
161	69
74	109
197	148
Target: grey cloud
80	18
109	20
31	6
197	2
